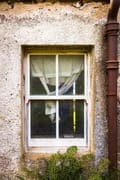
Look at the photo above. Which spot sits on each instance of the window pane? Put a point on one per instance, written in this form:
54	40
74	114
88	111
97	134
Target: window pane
79	84
71	74
71	123
71	119
43	115
42	74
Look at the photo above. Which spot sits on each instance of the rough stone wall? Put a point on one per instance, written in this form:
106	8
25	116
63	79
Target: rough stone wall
46	24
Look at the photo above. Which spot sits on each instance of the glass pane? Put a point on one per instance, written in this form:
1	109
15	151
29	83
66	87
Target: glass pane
71	123
42	74
79	84
71	74
43	119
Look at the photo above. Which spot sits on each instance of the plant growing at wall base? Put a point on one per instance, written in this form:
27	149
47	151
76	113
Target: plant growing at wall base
70	166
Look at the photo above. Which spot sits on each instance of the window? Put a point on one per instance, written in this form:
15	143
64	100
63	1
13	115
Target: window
56	100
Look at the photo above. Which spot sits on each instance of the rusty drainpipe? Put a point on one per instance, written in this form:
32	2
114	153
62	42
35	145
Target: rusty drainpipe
112	28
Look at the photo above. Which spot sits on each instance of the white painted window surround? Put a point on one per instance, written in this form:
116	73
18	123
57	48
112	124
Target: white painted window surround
54	98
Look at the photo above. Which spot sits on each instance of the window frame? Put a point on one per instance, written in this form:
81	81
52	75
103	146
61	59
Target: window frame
48	144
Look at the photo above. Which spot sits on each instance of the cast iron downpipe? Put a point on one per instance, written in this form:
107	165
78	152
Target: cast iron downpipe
112	28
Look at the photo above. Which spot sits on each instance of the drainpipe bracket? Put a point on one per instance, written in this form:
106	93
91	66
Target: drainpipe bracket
112	64
112	28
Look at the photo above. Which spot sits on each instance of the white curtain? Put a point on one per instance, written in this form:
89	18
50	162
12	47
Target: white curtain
69	69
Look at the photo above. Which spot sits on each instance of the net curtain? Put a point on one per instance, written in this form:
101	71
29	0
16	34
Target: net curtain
69	69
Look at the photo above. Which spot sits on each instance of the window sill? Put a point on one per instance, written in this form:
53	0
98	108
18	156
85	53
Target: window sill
50	150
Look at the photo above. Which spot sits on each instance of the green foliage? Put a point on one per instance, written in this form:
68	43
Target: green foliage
112	174
70	166
98	172
64	166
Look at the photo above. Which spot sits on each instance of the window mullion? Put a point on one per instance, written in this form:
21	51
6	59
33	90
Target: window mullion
57	119
87	99
57	104
57	84
27	99
29	121
27	79
86	75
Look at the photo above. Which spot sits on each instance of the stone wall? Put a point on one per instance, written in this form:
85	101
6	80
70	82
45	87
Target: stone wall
47	24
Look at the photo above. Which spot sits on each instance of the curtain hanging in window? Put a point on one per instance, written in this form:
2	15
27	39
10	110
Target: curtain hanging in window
70	68
44	67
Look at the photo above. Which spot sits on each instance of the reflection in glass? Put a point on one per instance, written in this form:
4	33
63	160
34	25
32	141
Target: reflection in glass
43	123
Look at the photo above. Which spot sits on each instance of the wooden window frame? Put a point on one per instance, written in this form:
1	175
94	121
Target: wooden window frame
52	145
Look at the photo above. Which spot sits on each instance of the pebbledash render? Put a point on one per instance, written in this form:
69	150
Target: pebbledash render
59	31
